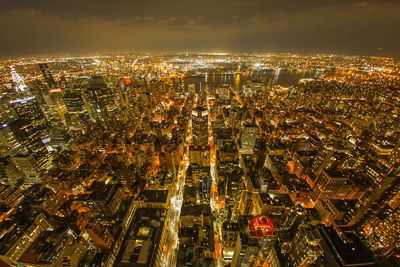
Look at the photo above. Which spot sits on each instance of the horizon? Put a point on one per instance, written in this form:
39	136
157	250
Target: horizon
80	27
219	53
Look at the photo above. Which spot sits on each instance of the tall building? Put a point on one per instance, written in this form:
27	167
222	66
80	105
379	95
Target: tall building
78	114
329	185
29	166
9	174
250	250
375	199
56	108
305	249
100	100
105	200
31	125
9	144
248	139
343	250
246	250
59	138
29	133
202	182
200	126
234	186
29	110
230	232
19	82
19	237
44	68
199	155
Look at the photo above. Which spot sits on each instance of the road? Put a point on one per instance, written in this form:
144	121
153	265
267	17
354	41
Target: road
217	224
170	249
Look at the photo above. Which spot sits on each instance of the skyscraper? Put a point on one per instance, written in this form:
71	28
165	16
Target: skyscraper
19	82
9	144
77	114
37	157
248	139
329	184
44	68
29	110
55	106
200	126
101	100
30	129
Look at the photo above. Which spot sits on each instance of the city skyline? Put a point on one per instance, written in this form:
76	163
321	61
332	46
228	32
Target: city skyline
200	159
218	133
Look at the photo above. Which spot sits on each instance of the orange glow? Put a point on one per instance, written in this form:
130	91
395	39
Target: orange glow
127	80
6	214
291	166
218	249
83	209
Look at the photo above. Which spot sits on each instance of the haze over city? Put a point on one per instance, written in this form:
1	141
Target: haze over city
75	27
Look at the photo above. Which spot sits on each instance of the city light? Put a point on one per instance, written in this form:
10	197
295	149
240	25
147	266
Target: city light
189	159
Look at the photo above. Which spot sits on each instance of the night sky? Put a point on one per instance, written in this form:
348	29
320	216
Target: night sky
38	27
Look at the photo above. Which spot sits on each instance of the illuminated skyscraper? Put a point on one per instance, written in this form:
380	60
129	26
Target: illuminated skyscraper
233	189
101	100
37	159
9	144
30	130
200	126
248	139
55	106
305	248
250	250
77	115
19	82
28	110
329	184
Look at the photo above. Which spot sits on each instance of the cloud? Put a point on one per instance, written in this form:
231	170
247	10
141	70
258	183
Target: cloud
361	4
355	28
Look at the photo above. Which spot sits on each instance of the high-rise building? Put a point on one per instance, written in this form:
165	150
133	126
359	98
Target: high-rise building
30	168
246	250
305	249
19	82
29	110
199	155
101	100
248	139
9	144
105	199
77	115
44	68
343	250
202	181
329	185
37	157
234	186
56	108
252	250
230	232
59	138
19	237
200	126
27	134
9	174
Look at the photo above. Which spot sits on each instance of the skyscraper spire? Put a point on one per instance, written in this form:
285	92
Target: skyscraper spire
18	80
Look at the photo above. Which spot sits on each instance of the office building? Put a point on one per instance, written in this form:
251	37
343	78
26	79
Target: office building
200	126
